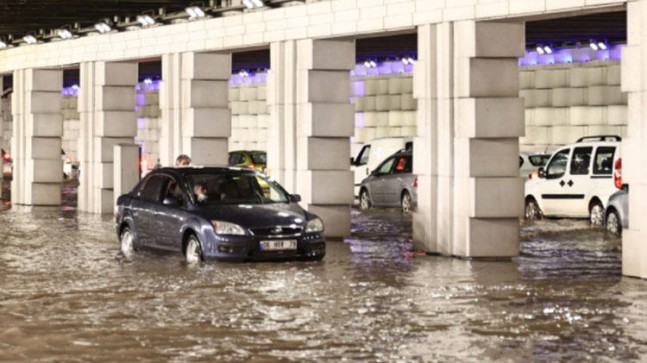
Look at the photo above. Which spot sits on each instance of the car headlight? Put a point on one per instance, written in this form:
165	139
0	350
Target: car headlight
314	225
227	228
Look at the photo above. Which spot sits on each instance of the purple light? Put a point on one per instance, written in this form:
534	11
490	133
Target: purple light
359	119
358	88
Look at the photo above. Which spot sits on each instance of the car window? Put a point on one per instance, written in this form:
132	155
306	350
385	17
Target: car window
385	167
233	159
152	189
259	158
581	160
362	157
557	165
603	163
538	160
520	161
403	165
172	189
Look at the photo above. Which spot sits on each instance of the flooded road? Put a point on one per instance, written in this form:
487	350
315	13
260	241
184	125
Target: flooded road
67	295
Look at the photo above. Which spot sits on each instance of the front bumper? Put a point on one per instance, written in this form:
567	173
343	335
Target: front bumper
311	246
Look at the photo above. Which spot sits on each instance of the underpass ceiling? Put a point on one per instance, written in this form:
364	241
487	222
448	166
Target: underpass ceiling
20	17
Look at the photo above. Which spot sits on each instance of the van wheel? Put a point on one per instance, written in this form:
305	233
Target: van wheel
532	212
613	223
405	202
364	200
596	214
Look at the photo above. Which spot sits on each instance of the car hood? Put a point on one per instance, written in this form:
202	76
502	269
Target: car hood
256	215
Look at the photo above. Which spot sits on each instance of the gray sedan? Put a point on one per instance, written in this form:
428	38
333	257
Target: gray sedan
617	216
391	184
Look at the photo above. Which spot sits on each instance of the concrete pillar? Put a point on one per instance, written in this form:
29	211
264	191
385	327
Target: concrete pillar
311	121
634	82
107	111
126	170
470	117
194	99
36	141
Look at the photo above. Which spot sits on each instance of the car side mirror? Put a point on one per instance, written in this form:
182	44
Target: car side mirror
541	172
296	198
352	161
170	200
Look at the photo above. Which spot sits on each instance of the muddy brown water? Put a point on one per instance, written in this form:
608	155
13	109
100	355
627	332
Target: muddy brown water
67	295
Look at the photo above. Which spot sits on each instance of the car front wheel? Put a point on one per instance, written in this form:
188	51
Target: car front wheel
613	223
532	211
193	253
127	245
596	214
406	203
364	200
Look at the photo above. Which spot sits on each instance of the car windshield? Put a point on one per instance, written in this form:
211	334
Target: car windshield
235	187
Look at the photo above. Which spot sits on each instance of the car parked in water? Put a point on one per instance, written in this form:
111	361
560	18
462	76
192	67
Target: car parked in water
217	213
254	159
391	184
617	211
577	181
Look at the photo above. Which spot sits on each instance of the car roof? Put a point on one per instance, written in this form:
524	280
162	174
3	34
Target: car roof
192	169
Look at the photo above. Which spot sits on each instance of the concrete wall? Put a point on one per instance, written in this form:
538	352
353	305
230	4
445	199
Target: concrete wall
567	101
5	123
148	124
71	124
250	116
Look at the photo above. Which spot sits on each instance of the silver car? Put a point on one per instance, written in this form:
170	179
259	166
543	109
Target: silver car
391	184
616	215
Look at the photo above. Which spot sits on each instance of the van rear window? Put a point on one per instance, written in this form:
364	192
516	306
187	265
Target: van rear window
603	163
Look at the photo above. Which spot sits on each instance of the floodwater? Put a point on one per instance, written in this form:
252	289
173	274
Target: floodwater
67	295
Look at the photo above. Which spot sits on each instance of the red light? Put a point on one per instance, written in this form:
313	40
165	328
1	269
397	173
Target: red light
7	156
617	174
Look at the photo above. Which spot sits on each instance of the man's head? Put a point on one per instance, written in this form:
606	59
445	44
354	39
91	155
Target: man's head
183	160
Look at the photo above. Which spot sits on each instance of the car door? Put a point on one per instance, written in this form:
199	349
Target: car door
394	182
143	209
378	184
577	183
170	215
551	190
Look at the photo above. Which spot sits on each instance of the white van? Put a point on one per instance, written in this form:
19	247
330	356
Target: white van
373	153
577	180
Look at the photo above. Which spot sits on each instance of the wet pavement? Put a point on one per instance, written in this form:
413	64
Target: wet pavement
67	295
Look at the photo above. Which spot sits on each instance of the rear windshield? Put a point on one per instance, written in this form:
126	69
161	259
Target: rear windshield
538	160
259	158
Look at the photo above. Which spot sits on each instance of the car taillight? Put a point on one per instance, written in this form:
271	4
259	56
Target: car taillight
6	156
415	182
617	174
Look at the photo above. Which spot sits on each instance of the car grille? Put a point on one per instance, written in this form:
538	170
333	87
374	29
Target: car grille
277	231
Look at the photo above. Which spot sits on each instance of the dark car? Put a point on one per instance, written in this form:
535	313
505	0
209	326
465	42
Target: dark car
391	184
230	218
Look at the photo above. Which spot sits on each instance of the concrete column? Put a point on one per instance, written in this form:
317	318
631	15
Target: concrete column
634	82
311	121
108	118
194	97
36	141
466	155
126	170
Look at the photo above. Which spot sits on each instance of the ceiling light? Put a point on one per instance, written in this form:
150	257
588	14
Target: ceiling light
593	46
548	49
102	27
145	20
64	34
30	39
602	46
195	12
540	49
250	4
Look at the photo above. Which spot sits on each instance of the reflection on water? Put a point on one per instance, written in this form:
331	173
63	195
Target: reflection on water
68	296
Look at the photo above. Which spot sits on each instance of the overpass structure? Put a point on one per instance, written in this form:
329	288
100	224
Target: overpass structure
466	83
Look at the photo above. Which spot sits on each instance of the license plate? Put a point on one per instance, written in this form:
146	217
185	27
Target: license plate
279	244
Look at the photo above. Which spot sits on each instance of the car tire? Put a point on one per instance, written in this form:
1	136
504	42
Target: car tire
406	203
364	200
612	223
532	211
127	242
193	251
596	214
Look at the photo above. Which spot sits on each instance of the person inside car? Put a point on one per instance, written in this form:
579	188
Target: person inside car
200	192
